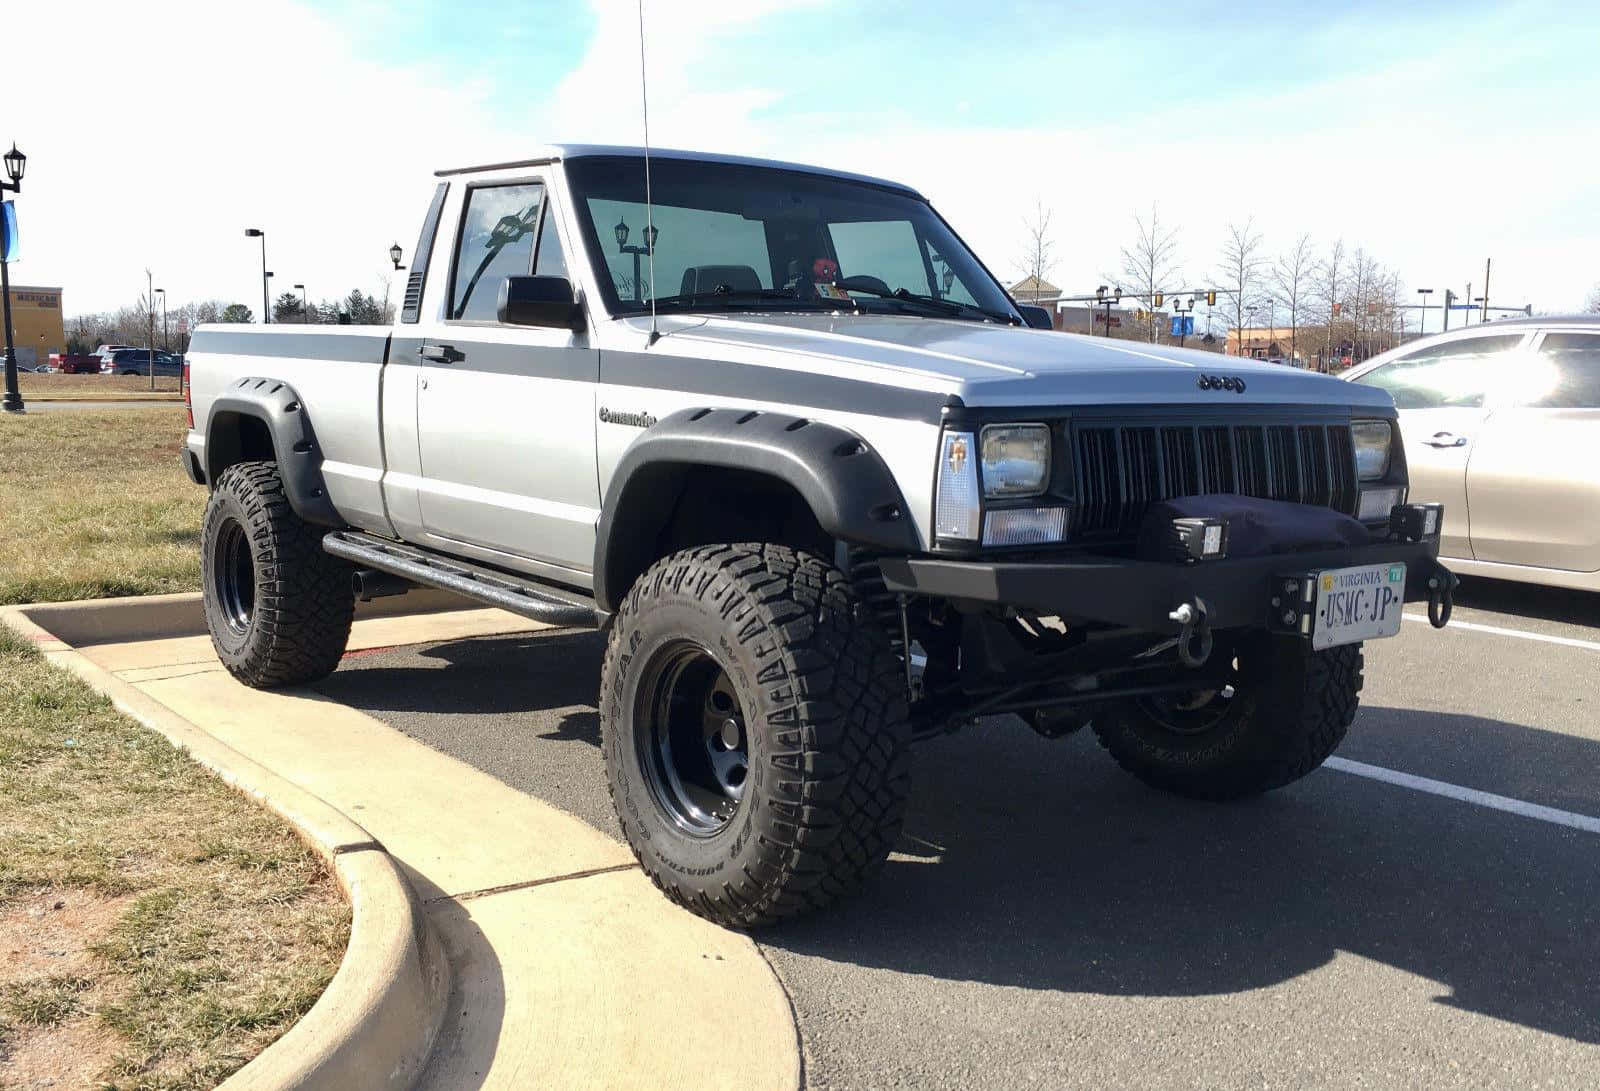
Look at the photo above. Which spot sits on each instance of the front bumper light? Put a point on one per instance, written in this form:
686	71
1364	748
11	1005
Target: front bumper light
1374	443
1016	460
956	504
1377	503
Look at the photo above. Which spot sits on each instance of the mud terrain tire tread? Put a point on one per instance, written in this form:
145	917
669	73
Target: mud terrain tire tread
304	601
1294	720
836	734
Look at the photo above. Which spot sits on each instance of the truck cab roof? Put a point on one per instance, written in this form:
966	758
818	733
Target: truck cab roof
552	153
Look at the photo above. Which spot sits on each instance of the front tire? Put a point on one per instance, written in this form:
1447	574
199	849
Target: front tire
755	732
1286	709
279	608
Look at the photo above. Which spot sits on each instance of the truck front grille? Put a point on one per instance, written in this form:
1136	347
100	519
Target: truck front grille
1121	468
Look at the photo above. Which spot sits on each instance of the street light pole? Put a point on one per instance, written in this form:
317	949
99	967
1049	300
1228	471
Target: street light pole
257	233
15	164
1422	323
162	292
305	308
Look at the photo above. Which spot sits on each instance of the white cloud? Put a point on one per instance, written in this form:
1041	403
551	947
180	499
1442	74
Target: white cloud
271	116
192	122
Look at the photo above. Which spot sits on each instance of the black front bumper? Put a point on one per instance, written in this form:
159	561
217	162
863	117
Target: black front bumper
1141	594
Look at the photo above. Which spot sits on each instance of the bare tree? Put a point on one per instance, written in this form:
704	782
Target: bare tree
1150	265
1038	261
1328	285
1592	304
1239	275
1291	279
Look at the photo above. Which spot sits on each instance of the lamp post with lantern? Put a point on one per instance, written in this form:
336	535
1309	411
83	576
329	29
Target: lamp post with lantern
395	254
266	305
15	163
1103	300
621	231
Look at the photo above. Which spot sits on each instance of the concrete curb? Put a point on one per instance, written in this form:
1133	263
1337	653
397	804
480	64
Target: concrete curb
375	1024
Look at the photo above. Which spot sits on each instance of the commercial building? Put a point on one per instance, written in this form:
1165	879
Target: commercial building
37	326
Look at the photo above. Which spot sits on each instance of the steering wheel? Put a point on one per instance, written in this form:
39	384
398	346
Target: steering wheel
864	283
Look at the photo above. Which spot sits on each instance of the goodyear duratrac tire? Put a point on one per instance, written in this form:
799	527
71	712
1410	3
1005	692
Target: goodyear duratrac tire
1289	708
755	732
278	607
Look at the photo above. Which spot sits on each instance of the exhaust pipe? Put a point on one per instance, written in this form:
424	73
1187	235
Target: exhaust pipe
371	584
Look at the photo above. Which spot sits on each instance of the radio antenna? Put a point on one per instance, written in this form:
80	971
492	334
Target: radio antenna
649	213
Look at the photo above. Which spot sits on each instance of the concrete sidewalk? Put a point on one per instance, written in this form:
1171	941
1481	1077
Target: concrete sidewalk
569	968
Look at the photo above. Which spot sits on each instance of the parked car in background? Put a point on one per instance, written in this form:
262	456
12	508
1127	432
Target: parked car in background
105	352
1501	423
75	363
138	362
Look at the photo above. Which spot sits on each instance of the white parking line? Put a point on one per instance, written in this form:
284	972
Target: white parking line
1546	638
1583	822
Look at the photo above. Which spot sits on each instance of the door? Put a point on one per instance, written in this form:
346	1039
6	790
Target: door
1534	479
1442	393
506	414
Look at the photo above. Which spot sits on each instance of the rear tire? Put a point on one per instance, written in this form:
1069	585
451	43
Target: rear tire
1290	708
755	732
279	608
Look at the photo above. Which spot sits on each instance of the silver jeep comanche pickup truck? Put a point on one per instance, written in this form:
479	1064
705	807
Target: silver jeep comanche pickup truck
782	436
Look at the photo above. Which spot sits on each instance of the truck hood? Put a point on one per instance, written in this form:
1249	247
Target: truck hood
992	365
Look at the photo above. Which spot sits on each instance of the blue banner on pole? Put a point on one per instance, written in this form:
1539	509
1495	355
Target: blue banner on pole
9	250
1183	325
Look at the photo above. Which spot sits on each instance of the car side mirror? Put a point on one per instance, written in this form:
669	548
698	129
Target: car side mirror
1037	318
539	301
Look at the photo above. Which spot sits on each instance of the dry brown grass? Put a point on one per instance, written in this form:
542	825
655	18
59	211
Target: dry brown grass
218	926
112	388
94	503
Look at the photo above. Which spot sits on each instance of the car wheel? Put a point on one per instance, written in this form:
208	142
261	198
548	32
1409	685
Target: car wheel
755	732
1283	710
278	607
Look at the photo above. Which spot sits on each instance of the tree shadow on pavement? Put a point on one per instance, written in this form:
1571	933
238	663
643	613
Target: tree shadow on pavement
1055	874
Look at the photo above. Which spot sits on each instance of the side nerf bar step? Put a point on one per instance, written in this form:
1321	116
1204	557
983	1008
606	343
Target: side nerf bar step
509	591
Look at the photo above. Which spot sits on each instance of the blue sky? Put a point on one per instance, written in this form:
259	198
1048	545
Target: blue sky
1433	136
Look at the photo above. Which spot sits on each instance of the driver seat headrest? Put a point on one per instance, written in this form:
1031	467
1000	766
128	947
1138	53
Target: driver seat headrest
706	279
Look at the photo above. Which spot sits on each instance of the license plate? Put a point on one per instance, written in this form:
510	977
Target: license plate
1362	603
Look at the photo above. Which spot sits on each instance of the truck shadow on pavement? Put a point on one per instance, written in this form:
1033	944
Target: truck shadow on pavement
1530	600
1038	864
1057	872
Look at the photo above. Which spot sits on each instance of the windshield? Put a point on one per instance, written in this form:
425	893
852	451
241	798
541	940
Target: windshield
734	237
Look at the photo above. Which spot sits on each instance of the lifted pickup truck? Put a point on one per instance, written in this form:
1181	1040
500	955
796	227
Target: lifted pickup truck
779	434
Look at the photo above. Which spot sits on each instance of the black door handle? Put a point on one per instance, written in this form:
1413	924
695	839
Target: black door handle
442	354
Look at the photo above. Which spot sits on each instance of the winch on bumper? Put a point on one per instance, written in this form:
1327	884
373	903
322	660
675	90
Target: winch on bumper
1258	592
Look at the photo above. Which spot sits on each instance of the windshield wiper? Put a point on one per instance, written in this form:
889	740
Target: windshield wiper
948	307
740	298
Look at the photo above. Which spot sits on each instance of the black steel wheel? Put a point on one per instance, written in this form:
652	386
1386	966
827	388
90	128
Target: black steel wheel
235	575
691	738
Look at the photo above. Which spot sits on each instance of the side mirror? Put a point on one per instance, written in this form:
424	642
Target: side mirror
539	301
1037	318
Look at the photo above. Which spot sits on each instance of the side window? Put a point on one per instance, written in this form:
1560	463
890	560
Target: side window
1565	374
1456	374
884	250
550	261
497	234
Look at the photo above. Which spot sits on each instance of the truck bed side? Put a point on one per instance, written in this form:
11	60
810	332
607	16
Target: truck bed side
337	374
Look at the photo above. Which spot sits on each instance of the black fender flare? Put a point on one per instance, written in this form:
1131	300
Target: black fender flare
276	405
848	486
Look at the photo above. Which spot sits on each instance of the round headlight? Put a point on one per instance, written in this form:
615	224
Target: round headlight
1016	459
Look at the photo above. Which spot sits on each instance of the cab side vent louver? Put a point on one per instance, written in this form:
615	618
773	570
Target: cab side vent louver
411	305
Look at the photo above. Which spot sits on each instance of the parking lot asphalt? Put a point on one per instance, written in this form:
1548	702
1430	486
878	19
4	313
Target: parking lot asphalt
1048	921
